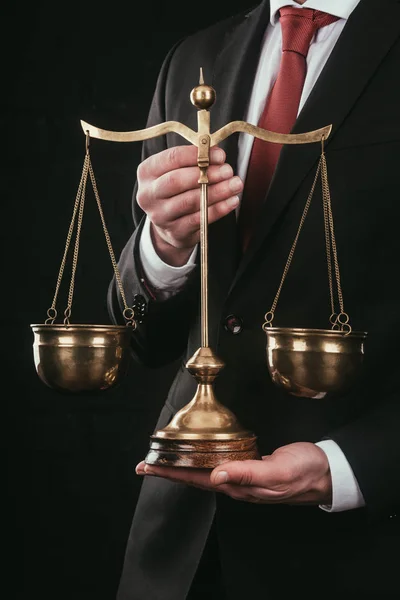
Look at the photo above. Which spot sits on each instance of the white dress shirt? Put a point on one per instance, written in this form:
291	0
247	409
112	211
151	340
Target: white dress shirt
168	280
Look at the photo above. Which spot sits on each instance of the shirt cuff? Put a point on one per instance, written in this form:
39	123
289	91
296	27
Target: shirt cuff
346	493
162	277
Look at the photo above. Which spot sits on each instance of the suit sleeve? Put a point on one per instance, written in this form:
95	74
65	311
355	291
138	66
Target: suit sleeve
162	337
371	446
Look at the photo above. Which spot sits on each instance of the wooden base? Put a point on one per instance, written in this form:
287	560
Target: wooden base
200	454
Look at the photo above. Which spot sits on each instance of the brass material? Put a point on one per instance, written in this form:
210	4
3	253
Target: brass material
203	418
141	134
314	362
201	454
340	319
269	316
78	210
204	432
204	263
218	136
203	97
81	358
269	136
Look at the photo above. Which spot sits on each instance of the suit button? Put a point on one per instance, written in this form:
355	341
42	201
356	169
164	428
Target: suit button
233	324
139	307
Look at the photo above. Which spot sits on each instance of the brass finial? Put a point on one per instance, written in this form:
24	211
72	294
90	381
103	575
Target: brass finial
202	96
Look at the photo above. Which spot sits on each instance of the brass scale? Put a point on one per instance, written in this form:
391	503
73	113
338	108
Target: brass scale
304	362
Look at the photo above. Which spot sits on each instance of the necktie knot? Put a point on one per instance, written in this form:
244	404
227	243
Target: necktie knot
299	26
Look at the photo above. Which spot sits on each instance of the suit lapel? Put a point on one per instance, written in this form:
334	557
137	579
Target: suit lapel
364	42
233	78
234	73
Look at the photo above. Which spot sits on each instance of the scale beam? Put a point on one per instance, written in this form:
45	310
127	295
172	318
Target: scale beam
218	136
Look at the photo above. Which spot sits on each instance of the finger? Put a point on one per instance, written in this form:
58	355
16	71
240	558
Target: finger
196	477
175	158
260	473
243	493
181	180
191	223
139	469
188	203
254	494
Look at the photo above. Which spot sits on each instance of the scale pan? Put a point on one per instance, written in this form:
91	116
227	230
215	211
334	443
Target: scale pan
81	358
312	363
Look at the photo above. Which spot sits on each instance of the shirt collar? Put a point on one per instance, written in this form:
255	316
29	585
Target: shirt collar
338	8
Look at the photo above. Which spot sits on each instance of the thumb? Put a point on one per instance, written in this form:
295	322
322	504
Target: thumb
243	472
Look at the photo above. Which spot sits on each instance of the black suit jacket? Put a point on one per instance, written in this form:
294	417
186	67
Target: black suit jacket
358	92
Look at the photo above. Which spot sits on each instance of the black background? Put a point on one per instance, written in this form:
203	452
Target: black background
71	480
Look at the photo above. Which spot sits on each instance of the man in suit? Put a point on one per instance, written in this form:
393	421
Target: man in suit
318	514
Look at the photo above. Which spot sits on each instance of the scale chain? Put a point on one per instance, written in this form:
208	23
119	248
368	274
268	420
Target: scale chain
269	316
52	311
339	320
78	210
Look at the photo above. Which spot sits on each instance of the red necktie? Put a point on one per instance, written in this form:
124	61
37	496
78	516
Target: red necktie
280	112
